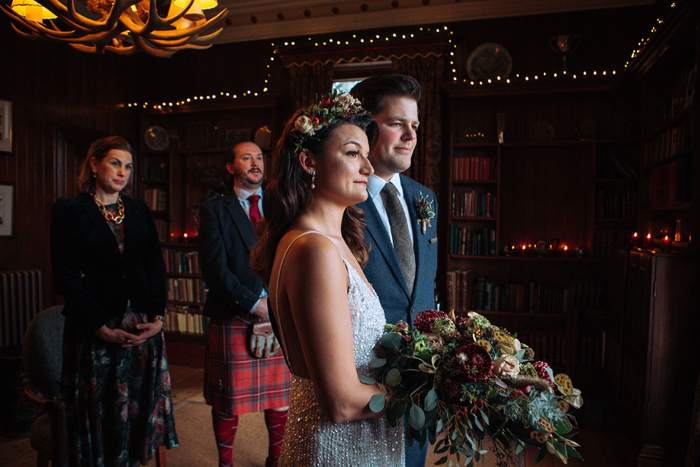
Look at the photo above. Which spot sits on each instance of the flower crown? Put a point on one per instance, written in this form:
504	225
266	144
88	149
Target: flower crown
328	111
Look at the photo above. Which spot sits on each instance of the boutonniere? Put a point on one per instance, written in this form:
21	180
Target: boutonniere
424	211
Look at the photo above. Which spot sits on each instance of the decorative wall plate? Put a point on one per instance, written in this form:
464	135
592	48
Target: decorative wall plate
489	61
541	132
156	138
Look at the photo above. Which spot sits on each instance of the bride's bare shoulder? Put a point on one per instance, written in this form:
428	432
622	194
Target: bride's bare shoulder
309	249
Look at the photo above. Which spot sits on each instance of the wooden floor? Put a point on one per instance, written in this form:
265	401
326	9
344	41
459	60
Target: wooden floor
599	448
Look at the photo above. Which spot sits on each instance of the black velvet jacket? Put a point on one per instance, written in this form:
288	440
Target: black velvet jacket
93	277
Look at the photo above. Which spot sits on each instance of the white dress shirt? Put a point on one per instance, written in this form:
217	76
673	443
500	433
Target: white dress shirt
245	203
375	184
242	196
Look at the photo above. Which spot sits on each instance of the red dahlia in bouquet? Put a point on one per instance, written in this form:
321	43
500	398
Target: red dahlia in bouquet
466	379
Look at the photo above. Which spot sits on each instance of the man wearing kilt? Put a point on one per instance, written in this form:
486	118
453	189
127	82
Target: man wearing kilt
236	382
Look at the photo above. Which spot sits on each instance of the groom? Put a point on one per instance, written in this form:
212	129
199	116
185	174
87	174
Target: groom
402	238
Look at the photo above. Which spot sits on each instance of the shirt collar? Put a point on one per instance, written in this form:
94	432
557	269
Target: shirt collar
244	194
375	184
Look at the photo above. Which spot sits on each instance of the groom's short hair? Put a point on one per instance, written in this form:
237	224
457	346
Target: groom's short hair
372	91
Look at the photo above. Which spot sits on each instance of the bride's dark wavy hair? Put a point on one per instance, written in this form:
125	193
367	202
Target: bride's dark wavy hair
289	193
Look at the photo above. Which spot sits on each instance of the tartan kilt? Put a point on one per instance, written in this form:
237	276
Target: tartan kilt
235	382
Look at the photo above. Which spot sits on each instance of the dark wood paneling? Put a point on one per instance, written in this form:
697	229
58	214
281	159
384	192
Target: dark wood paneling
52	86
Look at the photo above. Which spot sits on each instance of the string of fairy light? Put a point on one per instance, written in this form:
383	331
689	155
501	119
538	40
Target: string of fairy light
644	41
359	40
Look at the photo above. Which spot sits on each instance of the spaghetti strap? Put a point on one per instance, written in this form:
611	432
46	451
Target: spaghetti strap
284	256
273	316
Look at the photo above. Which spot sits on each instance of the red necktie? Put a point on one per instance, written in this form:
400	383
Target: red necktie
254	211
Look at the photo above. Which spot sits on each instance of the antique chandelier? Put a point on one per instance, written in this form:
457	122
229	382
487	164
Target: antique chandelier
120	26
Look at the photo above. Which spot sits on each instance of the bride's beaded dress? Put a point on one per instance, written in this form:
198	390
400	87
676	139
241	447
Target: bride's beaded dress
310	438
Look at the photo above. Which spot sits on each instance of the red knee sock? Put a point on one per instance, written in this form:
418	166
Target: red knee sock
275	421
225	427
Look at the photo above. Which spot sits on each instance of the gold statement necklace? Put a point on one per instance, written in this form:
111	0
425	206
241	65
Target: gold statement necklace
108	215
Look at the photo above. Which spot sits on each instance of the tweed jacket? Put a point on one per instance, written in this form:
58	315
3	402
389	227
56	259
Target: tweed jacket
94	278
383	270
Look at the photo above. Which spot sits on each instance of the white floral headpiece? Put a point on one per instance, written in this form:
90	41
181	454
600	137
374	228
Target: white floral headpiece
323	114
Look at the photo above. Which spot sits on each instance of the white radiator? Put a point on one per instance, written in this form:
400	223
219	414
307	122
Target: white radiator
20	301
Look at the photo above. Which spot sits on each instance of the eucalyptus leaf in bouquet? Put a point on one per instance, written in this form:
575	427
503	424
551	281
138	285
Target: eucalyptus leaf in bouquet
459	380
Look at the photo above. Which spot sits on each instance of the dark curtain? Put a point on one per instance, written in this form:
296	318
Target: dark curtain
307	83
429	72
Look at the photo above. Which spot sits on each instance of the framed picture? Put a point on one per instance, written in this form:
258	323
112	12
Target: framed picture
5	126
233	137
7	202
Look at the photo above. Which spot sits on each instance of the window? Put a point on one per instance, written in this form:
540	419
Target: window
347	75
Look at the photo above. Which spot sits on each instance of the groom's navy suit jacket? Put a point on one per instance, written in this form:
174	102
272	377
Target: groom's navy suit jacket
383	270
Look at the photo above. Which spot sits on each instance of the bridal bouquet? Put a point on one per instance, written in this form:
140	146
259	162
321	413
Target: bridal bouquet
466	379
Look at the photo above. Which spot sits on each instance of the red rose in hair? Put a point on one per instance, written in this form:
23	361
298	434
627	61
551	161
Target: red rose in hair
425	319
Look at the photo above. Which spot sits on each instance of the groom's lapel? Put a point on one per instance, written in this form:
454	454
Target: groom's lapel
376	229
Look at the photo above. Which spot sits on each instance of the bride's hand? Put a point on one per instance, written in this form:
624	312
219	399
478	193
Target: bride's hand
387	392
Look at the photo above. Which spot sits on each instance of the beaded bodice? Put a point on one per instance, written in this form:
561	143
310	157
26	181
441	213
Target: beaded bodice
310	438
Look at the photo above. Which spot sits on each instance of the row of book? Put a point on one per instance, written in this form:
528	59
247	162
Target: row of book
162	228
611	167
588	294
531	298
551	347
155	169
185	319
156	199
473	168
668	143
473	204
670	184
682	94
185	289
181	262
468	291
606	239
615	204
591	349
469	241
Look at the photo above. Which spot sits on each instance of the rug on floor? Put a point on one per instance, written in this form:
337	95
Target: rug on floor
197	446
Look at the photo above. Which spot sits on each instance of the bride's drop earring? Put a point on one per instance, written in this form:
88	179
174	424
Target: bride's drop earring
313	179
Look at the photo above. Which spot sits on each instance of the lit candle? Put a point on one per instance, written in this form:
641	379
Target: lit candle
185	238
666	244
523	250
635	240
566	249
647	241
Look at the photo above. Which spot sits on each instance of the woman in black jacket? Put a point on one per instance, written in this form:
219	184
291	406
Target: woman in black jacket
115	402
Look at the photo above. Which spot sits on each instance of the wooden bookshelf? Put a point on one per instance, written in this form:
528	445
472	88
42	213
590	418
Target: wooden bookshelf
670	151
199	134
653	296
544	188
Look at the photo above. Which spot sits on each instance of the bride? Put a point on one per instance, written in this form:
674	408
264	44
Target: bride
329	319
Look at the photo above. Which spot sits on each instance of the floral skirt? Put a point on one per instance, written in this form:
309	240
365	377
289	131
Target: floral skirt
115	403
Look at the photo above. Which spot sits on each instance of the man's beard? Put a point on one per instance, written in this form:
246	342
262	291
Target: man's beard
247	180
